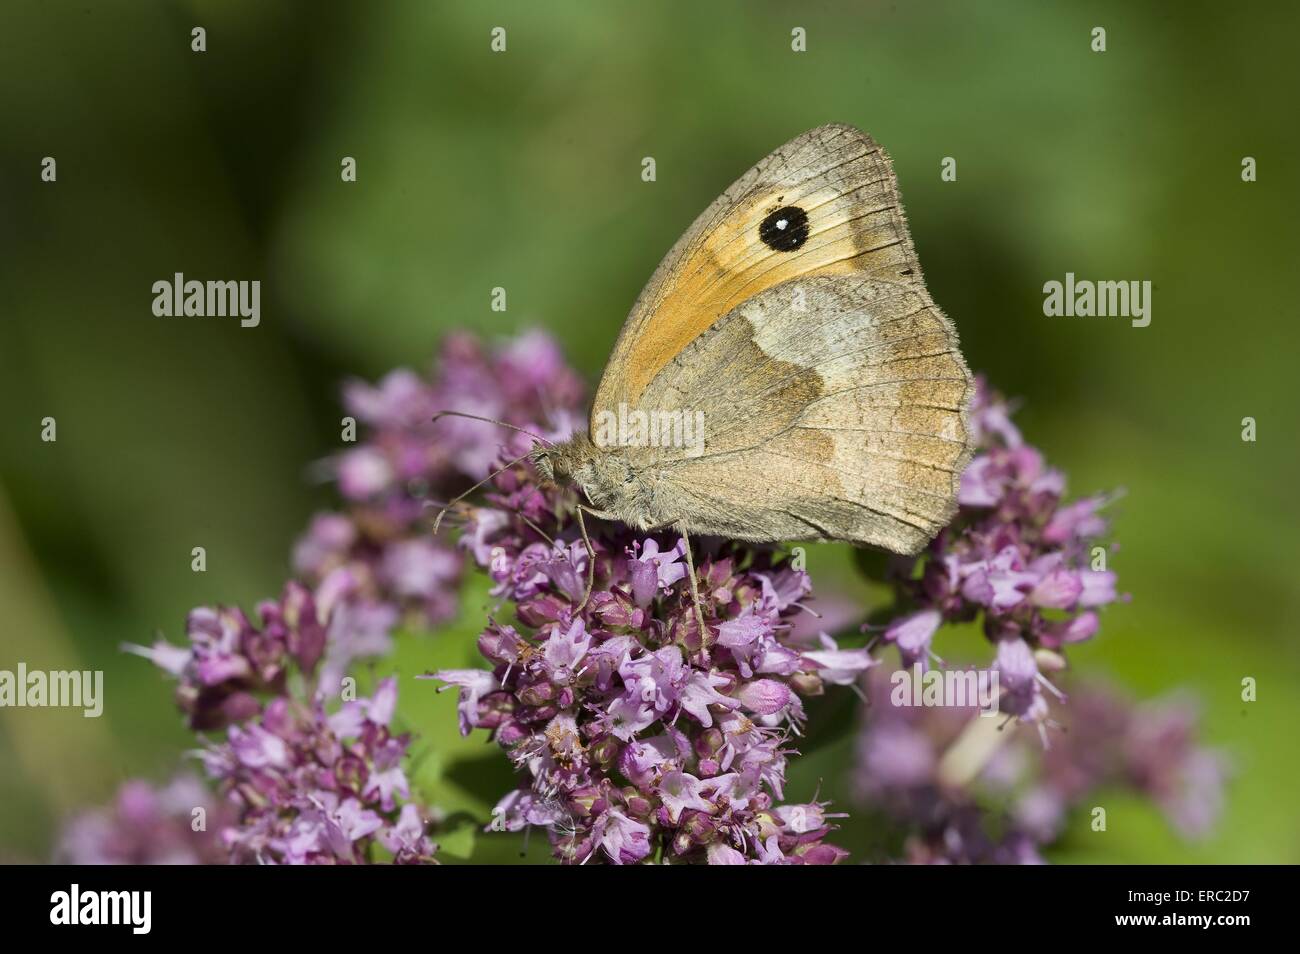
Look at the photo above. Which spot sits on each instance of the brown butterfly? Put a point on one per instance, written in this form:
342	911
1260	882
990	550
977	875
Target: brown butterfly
785	374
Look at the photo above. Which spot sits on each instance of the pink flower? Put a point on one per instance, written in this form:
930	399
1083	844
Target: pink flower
679	791
625	841
652	570
1059	589
474	684
563	653
912	635
839	667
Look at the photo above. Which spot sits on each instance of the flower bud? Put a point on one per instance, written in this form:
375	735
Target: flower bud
605	752
586	801
537	694
699	826
709	743
637	804
1046	659
807	684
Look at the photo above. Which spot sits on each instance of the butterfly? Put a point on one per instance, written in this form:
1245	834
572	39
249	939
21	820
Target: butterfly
785	374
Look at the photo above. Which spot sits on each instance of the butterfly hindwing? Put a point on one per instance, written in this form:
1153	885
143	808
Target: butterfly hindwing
832	406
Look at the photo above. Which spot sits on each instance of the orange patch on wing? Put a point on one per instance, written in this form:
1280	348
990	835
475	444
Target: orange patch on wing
721	276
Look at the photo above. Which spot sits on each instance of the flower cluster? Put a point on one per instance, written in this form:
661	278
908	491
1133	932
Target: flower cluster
407	462
409	456
1014	800
175	824
315	788
231	664
639	736
303	785
1028	566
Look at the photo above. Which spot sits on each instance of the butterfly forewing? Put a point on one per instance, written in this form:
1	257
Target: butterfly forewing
824	203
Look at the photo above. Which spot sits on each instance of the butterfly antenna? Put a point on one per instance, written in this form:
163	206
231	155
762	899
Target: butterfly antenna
536	529
461	496
492	420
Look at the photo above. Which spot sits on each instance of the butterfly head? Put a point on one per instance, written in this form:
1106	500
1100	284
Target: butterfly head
572	461
604	476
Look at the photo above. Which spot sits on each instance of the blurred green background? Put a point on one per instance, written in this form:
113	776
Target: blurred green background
522	170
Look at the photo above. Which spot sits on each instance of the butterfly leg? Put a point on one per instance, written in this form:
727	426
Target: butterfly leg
695	586
591	552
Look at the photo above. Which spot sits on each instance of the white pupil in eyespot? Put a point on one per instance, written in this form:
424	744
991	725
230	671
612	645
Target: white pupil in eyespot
782	224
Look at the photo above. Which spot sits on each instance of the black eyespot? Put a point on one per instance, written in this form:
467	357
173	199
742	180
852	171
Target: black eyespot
785	230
